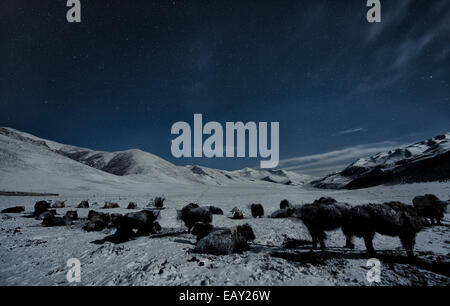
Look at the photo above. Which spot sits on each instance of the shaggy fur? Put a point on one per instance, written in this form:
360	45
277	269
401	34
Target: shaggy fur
51	220
45	214
40	208
215	210
59	204
283	213
72	214
15	210
132	205
257	210
392	219
97	221
95	226
159	202
227	241
201	230
143	222
93	215
325	200
429	206
323	215
192	213
109	205
285	204
236	214
83	204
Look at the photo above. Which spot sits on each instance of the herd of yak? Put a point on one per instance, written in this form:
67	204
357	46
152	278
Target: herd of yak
325	214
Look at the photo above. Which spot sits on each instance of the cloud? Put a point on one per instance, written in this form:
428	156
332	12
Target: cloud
351	131
390	18
325	163
401	57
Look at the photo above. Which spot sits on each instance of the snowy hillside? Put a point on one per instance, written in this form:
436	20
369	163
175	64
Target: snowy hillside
141	166
425	161
25	166
273	176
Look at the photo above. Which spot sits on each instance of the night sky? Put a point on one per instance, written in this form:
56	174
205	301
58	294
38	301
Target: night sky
130	69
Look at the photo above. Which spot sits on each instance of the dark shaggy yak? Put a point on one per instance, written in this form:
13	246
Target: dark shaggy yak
83	204
215	210
257	210
142	223
192	213
392	219
40	208
98	221
59	204
429	206
285	204
236	214
283	213
324	214
14	210
109	205
132	205
72	214
226	241
51	220
46	214
201	229
159	202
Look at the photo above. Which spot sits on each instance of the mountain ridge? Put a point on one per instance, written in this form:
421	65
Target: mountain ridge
423	161
146	167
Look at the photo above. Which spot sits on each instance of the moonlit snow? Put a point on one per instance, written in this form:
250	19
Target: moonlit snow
31	254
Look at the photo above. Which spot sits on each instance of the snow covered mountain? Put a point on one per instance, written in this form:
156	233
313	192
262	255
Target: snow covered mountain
135	165
30	166
273	176
425	161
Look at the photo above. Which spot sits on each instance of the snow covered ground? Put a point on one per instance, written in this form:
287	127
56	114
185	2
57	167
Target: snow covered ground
31	254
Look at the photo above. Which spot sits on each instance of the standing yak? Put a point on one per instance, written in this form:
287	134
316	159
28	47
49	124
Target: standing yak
429	206
393	219
324	214
257	210
192	213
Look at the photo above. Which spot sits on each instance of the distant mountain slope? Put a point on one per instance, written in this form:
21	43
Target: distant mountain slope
273	176
26	166
146	167
425	161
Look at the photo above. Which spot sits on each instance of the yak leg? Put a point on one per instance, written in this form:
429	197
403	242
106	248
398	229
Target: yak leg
350	242
313	236
369	243
124	231
408	243
322	237
314	241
